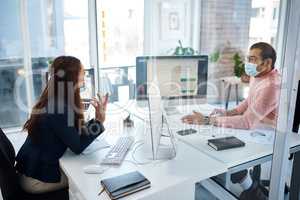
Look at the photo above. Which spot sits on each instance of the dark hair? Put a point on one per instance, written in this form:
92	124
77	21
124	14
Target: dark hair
63	71
267	51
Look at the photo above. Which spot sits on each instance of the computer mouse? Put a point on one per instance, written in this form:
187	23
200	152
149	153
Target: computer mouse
94	169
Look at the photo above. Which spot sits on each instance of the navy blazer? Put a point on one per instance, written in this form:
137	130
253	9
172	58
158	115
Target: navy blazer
39	159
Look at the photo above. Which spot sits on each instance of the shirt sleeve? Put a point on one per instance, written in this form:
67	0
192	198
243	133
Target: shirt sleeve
76	139
265	101
242	107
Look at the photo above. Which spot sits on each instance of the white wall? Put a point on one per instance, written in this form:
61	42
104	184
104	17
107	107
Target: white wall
159	39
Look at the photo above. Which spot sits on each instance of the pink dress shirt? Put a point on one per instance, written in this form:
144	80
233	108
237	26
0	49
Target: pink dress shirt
261	106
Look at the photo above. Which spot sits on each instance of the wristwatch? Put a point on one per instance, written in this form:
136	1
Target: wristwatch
206	120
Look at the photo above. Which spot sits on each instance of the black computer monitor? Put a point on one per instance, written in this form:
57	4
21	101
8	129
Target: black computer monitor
177	76
296	121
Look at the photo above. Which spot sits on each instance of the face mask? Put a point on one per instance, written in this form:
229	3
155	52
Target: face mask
250	69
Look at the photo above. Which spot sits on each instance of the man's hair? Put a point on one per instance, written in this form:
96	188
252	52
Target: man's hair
267	51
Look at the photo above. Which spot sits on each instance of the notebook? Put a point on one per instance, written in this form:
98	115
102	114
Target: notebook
225	143
126	184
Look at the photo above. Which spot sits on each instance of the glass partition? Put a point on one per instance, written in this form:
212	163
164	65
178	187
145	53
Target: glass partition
223	31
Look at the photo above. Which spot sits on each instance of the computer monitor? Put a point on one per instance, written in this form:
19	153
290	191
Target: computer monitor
177	76
157	120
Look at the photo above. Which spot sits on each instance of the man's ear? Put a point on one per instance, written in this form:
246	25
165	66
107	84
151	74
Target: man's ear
268	62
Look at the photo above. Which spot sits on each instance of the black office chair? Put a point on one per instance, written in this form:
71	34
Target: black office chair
265	184
9	183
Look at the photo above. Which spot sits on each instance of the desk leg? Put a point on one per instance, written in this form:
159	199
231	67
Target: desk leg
228	95
295	181
237	94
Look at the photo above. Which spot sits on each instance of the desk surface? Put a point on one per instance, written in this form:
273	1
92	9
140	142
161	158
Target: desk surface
231	157
179	174
194	162
187	168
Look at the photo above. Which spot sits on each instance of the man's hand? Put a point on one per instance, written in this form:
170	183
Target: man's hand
195	118
221	112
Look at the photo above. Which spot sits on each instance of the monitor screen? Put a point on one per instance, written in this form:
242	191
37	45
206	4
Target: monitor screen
297	111
177	76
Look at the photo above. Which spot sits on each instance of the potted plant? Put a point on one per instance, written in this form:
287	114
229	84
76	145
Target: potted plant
184	51
239	68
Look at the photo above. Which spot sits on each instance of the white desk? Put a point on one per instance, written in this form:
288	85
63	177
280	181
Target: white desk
237	159
172	179
231	157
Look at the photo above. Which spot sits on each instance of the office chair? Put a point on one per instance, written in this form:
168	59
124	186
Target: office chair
256	173
9	183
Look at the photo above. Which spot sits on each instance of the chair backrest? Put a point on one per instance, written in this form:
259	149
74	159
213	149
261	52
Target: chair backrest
8	175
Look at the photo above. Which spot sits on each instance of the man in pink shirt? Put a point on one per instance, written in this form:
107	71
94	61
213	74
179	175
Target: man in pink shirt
261	106
259	109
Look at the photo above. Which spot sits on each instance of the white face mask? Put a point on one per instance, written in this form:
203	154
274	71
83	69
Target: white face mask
250	69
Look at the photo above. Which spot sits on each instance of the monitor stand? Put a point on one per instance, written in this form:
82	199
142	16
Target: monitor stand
166	149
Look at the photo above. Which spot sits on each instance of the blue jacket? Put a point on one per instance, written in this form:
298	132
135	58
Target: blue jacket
39	159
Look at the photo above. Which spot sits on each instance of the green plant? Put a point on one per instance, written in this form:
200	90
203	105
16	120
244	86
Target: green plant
50	60
184	51
239	65
214	57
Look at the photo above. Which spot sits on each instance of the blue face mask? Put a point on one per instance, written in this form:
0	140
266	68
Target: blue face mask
250	69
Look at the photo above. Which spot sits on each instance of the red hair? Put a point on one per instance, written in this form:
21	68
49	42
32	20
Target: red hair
64	72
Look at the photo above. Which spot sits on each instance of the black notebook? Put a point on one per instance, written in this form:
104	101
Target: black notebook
121	186
225	143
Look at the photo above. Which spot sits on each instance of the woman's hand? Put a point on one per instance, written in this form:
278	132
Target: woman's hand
195	118
100	107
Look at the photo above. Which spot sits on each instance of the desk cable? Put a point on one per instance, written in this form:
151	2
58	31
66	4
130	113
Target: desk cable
143	163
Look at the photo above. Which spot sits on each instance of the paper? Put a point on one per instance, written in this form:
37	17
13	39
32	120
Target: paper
259	136
97	144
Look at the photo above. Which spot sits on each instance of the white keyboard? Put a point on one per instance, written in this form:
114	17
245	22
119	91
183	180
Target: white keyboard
117	153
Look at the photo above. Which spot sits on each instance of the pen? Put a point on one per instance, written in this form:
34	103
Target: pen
101	192
262	134
257	133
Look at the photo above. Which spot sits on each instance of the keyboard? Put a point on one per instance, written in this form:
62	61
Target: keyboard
117	153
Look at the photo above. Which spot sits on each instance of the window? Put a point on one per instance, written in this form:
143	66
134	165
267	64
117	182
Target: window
76	29
11	65
121	37
120	31
55	28
51	30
